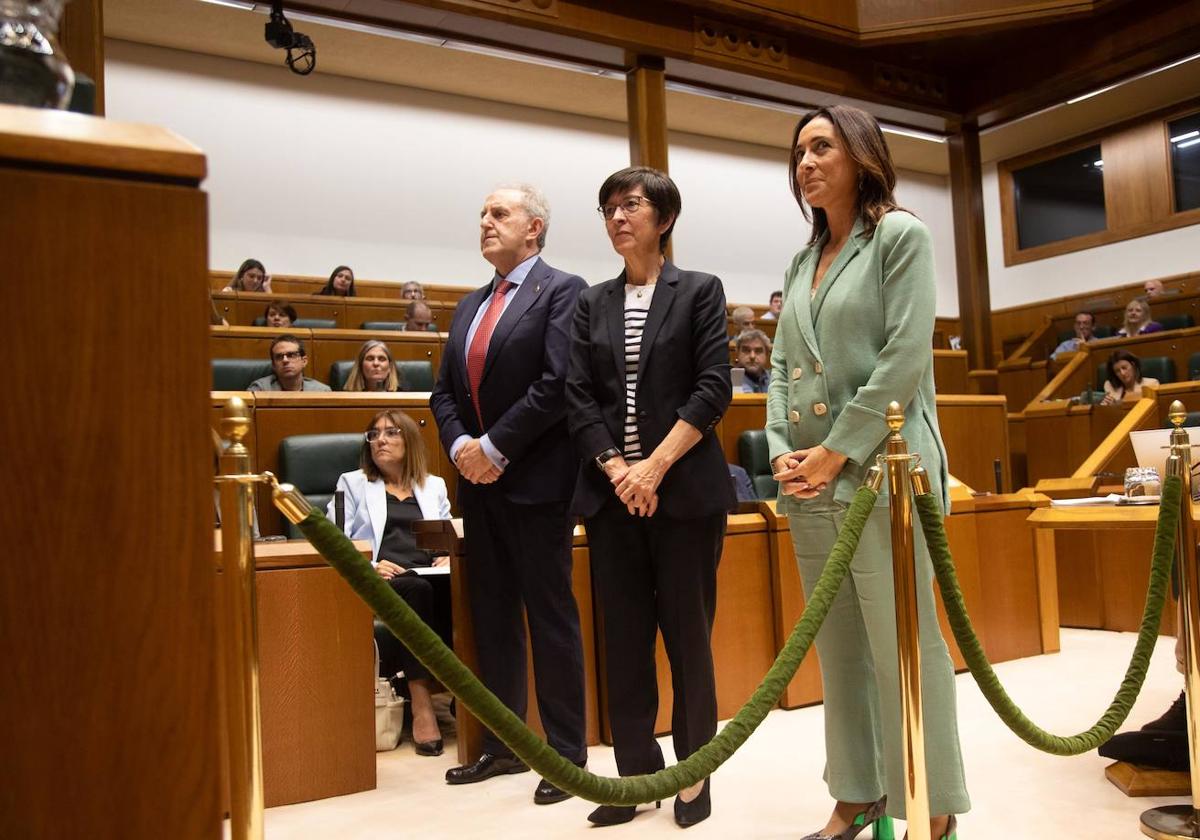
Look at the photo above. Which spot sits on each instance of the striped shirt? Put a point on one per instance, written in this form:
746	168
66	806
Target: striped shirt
637	307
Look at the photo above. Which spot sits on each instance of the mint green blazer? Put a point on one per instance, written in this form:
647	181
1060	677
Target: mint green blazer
865	340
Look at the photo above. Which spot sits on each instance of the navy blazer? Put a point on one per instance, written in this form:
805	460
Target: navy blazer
521	392
683	373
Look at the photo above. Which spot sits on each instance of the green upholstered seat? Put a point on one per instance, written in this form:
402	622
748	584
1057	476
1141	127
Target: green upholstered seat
237	374
1175	322
755	460
1102	332
1194	366
394	326
315	323
415	374
314	462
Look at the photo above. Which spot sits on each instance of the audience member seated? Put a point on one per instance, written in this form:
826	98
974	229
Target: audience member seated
412	291
1154	288
418	317
1125	380
391	490
340	283
742	485
374	370
279	314
250	277
288	361
1137	319
1085	325
743	319
774	307
753	356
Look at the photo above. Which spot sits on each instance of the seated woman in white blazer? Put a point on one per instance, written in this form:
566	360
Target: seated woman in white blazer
393	489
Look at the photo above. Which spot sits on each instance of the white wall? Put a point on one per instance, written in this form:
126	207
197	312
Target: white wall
1130	261
307	173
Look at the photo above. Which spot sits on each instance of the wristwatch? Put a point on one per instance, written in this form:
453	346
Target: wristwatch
606	456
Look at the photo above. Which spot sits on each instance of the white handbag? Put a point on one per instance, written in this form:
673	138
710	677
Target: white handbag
389	712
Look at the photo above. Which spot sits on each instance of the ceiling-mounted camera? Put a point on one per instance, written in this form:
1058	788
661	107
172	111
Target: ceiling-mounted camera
301	52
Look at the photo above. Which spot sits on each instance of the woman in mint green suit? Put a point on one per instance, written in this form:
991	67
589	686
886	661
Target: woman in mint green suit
855	333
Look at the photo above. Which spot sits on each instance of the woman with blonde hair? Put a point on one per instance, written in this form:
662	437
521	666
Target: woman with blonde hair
391	490
1138	320
374	370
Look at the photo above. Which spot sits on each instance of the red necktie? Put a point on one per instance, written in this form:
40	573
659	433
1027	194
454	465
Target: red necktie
477	352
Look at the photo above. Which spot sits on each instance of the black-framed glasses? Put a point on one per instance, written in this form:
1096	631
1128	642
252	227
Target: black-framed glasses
629	206
287	355
391	433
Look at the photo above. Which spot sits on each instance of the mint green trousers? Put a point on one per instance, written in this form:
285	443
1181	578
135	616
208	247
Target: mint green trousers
859	671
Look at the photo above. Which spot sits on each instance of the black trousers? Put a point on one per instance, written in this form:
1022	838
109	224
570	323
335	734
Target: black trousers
656	574
520	556
429	598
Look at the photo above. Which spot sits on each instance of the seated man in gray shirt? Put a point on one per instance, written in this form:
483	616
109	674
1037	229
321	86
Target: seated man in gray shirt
754	356
1085	324
288	361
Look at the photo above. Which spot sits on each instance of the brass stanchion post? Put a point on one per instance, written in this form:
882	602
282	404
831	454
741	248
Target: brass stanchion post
1173	822
900	474
241	626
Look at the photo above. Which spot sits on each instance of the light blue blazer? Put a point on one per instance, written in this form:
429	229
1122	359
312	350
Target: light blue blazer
864	340
366	505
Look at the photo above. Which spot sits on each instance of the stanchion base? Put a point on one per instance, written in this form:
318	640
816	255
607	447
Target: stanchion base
1171	822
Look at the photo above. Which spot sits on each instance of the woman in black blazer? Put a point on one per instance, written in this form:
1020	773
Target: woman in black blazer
647	383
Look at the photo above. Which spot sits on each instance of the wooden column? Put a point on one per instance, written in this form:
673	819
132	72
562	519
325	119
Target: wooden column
646	102
970	246
81	34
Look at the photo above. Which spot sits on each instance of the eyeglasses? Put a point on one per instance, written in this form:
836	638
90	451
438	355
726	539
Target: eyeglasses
287	355
629	206
391	433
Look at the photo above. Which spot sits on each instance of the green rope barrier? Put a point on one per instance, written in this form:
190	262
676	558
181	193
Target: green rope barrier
333	545
1164	552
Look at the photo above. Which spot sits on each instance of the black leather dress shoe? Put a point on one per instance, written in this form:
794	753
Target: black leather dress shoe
484	767
547	794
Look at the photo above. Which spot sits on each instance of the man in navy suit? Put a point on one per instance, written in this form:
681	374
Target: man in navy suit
501	413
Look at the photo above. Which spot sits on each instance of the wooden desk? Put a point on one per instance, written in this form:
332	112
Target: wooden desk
1102	556
316	671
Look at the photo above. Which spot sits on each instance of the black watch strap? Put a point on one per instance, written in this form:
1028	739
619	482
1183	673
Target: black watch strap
606	456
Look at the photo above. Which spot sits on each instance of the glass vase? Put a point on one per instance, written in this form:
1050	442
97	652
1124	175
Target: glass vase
33	70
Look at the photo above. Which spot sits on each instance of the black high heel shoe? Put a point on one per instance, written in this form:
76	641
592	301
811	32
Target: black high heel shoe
430	747
698	810
615	814
874	816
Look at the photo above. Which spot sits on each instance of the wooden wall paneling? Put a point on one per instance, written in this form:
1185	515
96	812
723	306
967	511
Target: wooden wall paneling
317	661
975	433
1137	175
1124	558
1008	573
1080	600
950	372
1018	451
1046	431
970	244
251	305
1020	381
111	671
962	536
226	304
255	343
331	346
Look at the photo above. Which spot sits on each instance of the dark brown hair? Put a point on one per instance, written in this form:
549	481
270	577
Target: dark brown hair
657	186
327	289
415	468
863	141
284	307
1122	356
280	339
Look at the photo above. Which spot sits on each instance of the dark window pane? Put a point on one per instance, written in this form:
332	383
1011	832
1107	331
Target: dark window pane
1059	199
1185	161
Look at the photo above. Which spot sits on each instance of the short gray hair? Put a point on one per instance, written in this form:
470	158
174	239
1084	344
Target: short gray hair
533	202
747	336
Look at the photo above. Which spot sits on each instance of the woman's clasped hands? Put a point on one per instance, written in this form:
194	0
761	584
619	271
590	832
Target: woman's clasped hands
807	472
636	486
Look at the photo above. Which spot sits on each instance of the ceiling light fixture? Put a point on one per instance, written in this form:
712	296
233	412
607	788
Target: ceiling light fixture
1133	79
1188	143
1180	138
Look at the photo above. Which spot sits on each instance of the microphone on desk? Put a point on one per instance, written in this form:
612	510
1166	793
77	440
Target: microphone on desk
339	509
999	476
